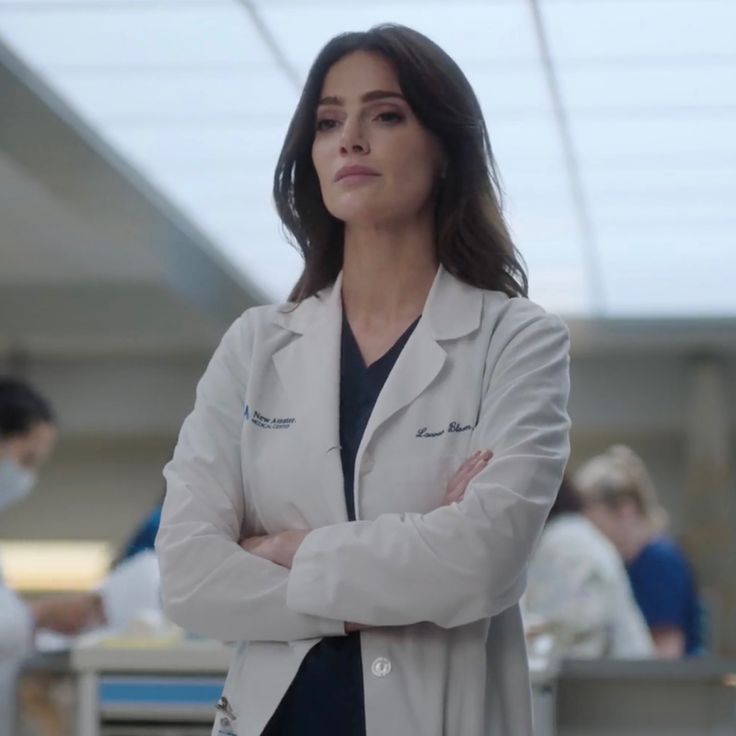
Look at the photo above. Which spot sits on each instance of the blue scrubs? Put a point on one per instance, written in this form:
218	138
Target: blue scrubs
326	696
664	588
144	537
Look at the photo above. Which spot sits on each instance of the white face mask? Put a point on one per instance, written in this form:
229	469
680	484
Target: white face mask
16	483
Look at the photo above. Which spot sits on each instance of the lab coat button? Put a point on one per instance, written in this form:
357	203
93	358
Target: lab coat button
381	667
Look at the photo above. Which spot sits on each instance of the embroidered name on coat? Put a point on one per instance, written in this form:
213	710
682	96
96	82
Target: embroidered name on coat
451	427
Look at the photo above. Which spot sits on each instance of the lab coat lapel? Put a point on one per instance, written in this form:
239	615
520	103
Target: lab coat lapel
452	310
309	371
419	363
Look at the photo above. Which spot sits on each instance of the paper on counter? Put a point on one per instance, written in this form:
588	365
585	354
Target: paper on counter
131	589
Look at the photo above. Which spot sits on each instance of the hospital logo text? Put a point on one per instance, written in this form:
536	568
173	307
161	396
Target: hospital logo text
263	422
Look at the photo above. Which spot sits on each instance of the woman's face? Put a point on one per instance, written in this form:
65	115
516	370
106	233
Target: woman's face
614	521
363	120
30	449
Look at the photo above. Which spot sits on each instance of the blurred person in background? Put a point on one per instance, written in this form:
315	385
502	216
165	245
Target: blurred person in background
27	436
619	497
578	593
143	537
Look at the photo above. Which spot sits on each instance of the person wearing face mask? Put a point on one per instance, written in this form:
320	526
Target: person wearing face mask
27	436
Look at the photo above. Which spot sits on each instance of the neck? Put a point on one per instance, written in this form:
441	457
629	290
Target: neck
637	536
387	273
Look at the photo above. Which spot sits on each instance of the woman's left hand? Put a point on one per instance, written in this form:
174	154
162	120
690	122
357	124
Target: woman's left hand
278	548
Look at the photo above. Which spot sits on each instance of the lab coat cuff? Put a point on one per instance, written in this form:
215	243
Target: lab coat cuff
305	590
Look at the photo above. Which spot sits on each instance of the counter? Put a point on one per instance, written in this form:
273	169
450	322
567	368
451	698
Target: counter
609	698
141	687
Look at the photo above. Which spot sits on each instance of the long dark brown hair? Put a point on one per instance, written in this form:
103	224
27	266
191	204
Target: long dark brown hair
472	240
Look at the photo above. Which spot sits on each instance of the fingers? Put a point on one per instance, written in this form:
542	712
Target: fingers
478	464
467	471
469	463
470	468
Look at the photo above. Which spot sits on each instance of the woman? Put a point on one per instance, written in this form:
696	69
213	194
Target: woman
345	440
27	437
620	499
578	592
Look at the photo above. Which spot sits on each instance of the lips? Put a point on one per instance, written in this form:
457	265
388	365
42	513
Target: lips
353	170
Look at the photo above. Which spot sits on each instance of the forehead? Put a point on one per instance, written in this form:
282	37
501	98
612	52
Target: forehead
357	73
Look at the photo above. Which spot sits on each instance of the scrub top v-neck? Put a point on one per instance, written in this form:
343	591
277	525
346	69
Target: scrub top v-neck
326	696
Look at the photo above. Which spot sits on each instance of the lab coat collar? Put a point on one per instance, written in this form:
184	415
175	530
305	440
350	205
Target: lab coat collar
452	309
309	369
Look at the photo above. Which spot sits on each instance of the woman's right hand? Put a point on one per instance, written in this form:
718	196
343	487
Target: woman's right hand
465	473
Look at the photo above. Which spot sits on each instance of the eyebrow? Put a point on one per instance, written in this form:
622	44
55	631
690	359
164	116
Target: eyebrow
376	94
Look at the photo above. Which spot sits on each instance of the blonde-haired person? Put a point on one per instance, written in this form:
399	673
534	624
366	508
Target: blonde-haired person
619	497
578	592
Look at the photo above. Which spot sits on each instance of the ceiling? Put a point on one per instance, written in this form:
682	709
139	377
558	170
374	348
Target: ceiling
92	260
612	122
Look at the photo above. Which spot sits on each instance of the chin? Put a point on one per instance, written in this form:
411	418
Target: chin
359	215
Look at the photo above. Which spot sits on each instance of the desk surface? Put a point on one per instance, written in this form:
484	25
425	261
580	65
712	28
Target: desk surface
192	657
701	668
209	657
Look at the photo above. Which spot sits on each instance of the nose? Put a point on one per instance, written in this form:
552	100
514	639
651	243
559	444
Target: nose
353	139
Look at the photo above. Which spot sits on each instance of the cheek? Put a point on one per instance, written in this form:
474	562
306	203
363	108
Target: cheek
594	517
318	159
409	178
13	450
413	168
606	526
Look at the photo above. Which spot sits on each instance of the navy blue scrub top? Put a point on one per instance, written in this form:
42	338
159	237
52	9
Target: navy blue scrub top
326	696
665	589
144	536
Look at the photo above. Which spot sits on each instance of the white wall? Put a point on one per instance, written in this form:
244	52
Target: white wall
92	489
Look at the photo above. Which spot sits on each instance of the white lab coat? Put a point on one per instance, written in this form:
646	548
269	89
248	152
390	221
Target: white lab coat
16	625
578	590
16	643
439	585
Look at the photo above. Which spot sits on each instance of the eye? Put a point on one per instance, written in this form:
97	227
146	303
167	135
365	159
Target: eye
325	124
395	115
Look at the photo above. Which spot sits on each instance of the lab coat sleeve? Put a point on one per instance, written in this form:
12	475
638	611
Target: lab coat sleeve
209	584
16	626
466	561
